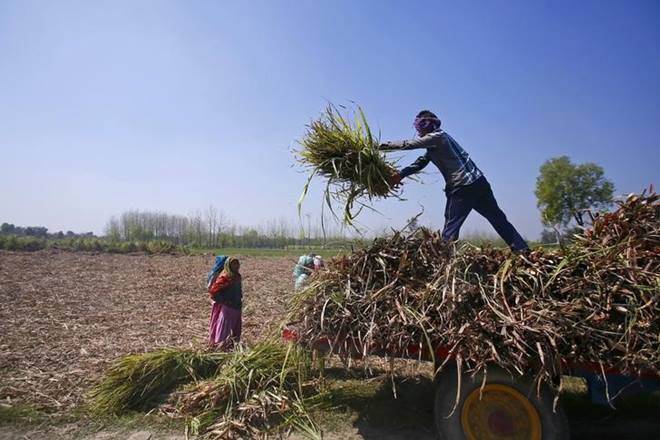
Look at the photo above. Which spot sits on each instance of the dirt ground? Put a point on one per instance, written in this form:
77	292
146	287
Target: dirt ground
64	317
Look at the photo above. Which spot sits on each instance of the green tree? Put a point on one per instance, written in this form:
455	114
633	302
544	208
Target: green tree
564	191
7	228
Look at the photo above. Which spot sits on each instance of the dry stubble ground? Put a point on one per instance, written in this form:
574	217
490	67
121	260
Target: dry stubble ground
64	317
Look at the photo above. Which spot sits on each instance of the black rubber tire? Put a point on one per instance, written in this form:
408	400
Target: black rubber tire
554	424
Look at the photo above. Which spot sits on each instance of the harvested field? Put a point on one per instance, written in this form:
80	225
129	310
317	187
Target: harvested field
66	316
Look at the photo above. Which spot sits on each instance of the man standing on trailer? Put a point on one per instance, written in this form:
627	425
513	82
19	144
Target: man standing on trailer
466	186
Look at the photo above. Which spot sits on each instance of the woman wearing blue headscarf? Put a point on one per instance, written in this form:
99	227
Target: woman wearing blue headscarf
226	293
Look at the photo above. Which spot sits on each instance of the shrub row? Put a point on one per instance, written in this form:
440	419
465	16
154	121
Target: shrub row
14	243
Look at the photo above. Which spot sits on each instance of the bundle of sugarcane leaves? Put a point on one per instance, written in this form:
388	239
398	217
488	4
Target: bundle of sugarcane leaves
267	389
140	381
342	149
596	301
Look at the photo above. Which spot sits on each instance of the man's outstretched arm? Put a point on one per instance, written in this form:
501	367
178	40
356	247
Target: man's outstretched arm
431	140
416	166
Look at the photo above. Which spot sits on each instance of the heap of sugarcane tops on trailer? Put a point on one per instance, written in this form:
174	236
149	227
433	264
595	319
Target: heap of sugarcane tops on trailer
597	301
345	152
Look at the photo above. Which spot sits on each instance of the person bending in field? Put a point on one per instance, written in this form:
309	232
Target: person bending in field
466	186
227	298
306	266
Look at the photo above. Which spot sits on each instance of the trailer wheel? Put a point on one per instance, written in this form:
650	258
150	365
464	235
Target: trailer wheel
504	408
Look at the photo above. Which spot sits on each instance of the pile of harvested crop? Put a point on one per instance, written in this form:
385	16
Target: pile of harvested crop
617	269
346	154
138	381
597	301
263	390
247	393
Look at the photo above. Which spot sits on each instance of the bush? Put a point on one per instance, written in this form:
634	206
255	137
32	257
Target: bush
160	247
15	243
32	244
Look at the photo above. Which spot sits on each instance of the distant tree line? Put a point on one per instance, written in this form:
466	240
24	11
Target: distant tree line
34	238
39	232
212	229
90	244
156	232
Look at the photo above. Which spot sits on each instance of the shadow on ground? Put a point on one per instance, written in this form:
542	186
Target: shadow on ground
636	417
377	414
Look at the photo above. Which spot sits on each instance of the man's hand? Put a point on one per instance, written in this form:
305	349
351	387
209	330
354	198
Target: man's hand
394	180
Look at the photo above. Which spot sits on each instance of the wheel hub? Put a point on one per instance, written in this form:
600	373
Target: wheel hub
499	412
500	422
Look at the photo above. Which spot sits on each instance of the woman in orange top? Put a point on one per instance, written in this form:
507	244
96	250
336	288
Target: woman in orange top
227	296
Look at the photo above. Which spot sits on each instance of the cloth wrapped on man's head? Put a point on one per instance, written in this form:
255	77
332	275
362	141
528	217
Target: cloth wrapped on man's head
425	122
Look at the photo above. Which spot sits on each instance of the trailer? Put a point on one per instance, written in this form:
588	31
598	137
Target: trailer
502	406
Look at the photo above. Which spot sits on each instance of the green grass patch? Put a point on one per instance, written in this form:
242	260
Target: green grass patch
267	252
20	414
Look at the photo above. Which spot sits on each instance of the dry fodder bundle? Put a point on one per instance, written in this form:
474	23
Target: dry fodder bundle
346	154
259	391
597	301
618	269
138	381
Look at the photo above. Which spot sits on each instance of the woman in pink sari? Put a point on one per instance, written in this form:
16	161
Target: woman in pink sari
227	296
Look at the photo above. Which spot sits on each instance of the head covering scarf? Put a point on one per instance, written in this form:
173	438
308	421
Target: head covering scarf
426	124
216	269
227	270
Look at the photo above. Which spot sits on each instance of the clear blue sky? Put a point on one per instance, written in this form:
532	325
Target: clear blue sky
108	106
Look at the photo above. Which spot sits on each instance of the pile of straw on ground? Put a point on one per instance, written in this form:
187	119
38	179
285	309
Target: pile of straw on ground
251	392
345	152
138	381
596	301
262	390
